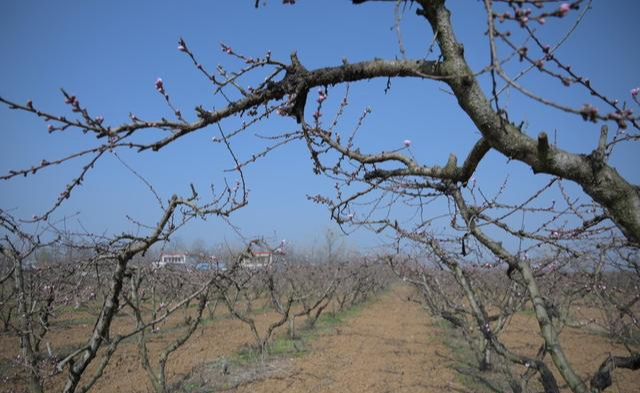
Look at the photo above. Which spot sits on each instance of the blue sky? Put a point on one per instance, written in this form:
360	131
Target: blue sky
109	54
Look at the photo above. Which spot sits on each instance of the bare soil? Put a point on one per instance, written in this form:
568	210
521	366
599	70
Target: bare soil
390	345
586	349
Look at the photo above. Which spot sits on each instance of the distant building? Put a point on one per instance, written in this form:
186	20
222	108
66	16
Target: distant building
176	259
260	259
187	260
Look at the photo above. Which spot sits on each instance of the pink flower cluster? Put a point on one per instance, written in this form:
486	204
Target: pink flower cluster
73	101
589	112
182	46
523	15
322	95
226	49
160	85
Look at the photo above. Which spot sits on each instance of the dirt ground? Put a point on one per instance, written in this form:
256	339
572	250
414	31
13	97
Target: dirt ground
390	345
125	374
585	349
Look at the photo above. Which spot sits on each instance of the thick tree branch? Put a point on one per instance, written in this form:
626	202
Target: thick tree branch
603	378
601	182
297	81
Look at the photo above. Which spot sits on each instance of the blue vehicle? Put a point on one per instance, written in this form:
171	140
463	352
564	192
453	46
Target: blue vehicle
202	266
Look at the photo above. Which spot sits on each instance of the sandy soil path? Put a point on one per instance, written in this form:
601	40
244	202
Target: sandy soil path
391	346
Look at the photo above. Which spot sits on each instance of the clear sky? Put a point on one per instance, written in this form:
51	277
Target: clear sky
109	54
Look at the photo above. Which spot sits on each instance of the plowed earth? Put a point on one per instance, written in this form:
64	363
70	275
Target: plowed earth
389	345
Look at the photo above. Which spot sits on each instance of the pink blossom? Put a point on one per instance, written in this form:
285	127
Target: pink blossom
50	128
407	143
226	49
182	46
564	8
635	91
321	96
160	85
